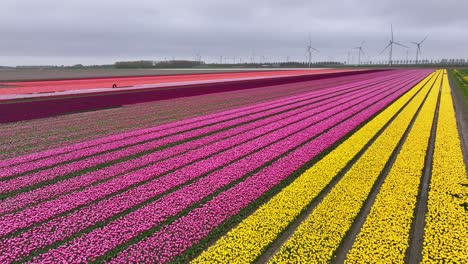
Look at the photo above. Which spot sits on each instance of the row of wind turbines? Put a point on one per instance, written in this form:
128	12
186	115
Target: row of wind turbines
360	49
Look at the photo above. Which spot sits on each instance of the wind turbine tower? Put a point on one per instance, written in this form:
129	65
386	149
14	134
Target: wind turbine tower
309	51
418	48
391	42
360	51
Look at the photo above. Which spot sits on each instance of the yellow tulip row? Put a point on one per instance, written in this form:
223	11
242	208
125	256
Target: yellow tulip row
446	229
318	237
384	237
248	240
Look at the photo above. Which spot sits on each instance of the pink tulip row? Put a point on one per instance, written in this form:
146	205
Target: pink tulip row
226	114
132	133
40	212
178	236
268	153
11	129
65	130
53	134
12	170
119	120
21	182
74	183
281	90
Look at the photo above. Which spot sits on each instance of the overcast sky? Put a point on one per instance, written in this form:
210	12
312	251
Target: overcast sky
103	31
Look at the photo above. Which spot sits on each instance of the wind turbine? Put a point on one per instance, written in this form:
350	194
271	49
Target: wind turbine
309	51
391	42
197	56
418	48
360	50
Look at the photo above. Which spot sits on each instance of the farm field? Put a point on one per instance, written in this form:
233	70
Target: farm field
362	168
34	135
25	75
462	76
27	87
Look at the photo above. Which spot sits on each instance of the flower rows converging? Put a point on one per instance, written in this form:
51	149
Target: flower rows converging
35	135
272	218
385	235
339	170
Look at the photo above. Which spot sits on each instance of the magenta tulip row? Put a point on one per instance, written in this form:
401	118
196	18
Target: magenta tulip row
97	142
178	126
38	135
40	212
285	90
95	160
11	129
196	170
250	130
56	171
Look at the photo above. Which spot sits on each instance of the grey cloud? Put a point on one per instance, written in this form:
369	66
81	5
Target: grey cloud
86	31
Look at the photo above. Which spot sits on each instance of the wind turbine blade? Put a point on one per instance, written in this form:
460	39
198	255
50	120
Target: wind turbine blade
391	30
361	50
415	43
390	43
316	50
423	39
362	43
396	43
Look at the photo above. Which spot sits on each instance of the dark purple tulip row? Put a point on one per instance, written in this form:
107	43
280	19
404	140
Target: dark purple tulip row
197	169
30	161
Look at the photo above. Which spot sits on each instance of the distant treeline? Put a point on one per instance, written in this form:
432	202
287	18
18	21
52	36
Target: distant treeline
171	64
146	64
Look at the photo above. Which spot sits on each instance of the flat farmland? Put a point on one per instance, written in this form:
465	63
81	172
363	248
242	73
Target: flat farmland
46	74
42	86
362	168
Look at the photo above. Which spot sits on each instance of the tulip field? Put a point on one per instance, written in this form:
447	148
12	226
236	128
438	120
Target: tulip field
358	169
